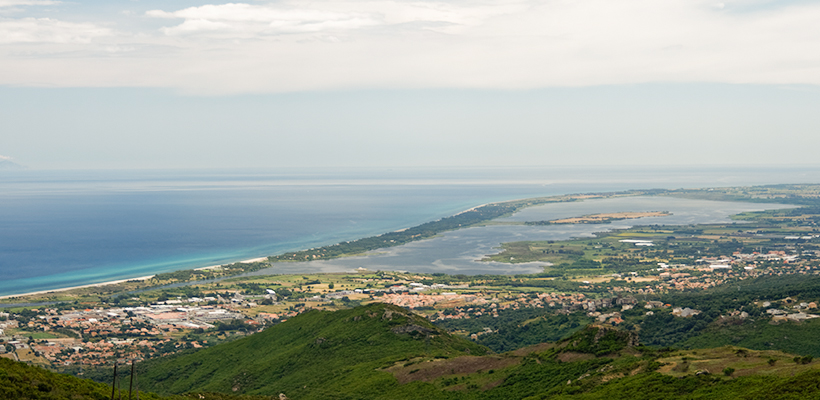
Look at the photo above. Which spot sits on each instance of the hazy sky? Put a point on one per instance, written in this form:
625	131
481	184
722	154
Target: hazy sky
158	84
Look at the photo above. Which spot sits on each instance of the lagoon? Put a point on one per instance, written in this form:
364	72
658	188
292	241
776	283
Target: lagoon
460	251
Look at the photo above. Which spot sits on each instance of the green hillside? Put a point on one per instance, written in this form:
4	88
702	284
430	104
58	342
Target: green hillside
381	351
318	354
20	381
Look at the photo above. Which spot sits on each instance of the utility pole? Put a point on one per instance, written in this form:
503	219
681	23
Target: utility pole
136	385
131	385
114	382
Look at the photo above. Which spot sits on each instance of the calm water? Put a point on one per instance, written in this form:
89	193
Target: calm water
459	252
61	229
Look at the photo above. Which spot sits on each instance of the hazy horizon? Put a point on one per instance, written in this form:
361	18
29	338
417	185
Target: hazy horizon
650	124
349	83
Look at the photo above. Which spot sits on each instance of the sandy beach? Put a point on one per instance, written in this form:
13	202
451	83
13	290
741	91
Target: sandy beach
142	278
252	260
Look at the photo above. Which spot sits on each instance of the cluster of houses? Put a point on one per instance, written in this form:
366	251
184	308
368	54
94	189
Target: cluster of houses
396	294
562	302
443	299
714	271
790	310
6	323
163	316
746	260
102	333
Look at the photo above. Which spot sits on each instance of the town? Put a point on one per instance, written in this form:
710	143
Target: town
68	335
620	278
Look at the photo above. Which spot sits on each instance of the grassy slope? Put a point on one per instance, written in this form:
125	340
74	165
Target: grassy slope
318	354
358	354
756	332
658	386
22	381
593	364
793	337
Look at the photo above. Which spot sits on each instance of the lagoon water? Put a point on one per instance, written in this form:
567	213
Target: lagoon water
460	252
66	228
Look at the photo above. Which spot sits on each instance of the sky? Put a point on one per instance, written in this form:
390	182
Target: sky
197	84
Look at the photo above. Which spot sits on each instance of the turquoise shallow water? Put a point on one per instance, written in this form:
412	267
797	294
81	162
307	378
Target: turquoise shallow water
61	229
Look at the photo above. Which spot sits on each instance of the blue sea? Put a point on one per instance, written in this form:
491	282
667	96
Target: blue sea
67	228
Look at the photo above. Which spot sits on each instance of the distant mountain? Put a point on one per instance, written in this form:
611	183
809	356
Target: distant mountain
7	164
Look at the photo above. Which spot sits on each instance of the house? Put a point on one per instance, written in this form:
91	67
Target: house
684	312
801	316
626	300
653	304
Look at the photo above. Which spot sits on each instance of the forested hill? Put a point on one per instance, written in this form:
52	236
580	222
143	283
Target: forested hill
384	352
381	351
318	354
22	381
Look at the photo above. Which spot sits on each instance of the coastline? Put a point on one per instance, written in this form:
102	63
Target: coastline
252	260
142	278
114	282
511	205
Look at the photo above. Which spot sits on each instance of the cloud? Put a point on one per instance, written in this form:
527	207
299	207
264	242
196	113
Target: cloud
249	20
307	17
47	30
12	3
502	44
